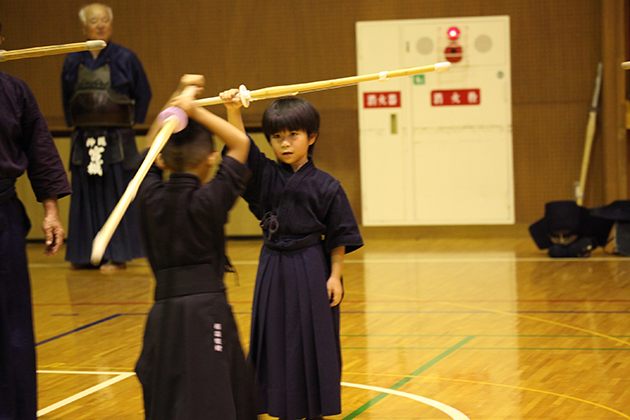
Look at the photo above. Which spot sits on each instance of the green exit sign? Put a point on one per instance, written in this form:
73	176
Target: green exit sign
418	79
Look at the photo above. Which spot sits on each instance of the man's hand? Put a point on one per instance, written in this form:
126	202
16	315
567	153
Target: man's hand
52	227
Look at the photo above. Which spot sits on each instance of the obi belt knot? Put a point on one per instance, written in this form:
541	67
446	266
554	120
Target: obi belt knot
285	242
293	242
269	223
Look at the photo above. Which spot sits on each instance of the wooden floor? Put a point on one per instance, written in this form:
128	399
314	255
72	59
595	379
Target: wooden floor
478	327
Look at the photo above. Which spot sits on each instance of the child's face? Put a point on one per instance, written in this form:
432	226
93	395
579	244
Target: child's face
291	147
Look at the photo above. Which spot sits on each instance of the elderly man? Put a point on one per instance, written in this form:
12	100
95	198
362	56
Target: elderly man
25	145
104	93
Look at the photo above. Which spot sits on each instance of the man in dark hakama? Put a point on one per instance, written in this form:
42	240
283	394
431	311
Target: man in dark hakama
104	93
25	145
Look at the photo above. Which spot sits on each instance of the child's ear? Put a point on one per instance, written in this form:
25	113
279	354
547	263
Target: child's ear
160	163
212	158
312	138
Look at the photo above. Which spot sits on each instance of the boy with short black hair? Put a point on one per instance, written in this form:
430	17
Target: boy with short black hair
192	365
308	226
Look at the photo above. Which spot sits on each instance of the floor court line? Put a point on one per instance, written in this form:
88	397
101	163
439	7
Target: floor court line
100	321
512	314
429	378
408	378
398	261
446	409
460	260
452	412
119	377
533	390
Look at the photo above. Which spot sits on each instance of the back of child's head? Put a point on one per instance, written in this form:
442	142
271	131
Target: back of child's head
290	114
186	149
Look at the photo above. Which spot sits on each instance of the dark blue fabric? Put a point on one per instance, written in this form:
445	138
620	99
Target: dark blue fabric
18	381
192	364
96	196
294	345
25	145
93	199
127	76
183	221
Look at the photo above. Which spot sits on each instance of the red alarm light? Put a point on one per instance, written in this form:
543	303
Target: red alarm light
453	33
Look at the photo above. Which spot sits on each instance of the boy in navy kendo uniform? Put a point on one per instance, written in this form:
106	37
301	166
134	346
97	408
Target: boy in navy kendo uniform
192	365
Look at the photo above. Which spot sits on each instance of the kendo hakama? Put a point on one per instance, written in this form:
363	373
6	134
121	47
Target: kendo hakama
18	383
294	343
192	364
97	188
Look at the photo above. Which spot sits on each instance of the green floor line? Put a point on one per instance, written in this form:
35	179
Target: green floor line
403	381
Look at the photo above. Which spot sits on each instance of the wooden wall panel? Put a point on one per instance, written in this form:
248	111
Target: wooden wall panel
555	49
548	156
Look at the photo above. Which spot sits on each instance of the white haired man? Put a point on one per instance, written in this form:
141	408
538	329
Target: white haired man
104	93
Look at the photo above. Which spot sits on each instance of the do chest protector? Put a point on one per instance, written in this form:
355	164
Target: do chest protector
96	104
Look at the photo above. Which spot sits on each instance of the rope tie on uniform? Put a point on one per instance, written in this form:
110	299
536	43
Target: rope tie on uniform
270	224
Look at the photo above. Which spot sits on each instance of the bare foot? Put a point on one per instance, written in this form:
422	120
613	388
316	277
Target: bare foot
113	266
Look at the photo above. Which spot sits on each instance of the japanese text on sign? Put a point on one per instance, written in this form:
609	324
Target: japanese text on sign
456	97
381	100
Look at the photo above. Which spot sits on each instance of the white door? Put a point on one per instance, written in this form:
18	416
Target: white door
446	152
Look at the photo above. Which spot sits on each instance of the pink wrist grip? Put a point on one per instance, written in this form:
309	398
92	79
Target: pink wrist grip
174	112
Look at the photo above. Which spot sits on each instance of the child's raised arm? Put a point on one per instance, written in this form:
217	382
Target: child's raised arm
233	105
235	139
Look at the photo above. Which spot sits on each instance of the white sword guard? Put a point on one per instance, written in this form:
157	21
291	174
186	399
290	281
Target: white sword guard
244	95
